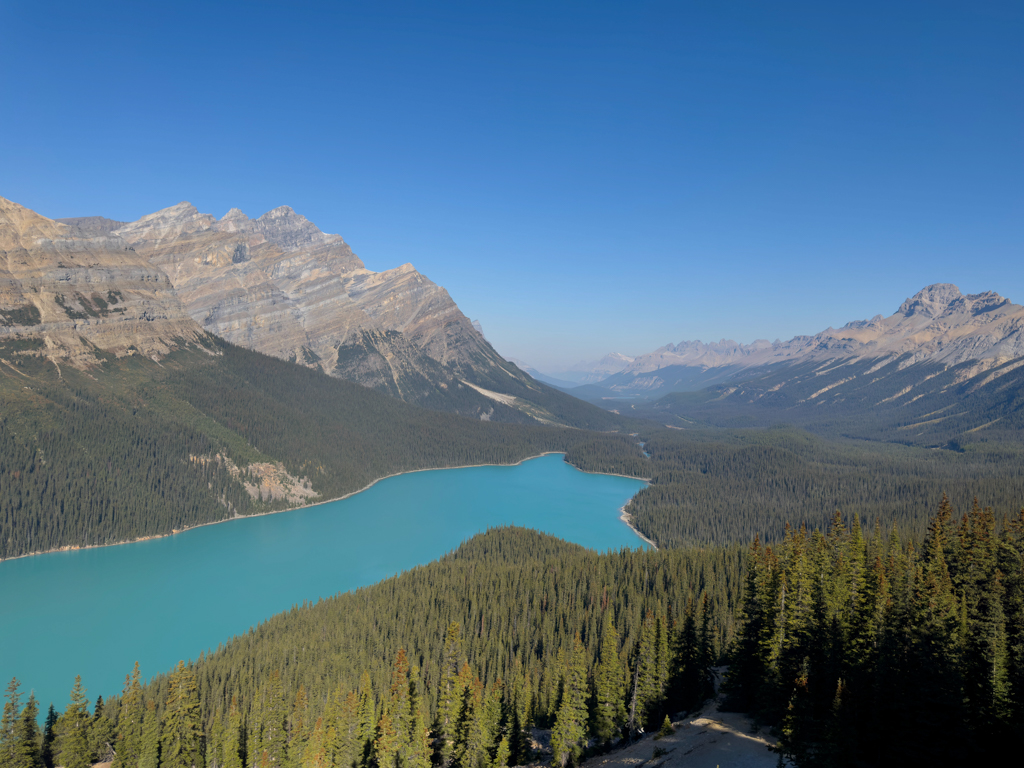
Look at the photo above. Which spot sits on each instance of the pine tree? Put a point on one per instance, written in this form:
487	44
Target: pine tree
72	731
8	725
27	737
610	710
232	750
274	732
182	734
568	737
129	722
149	750
49	734
450	692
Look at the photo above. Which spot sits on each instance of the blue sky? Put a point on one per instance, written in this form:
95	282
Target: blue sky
581	176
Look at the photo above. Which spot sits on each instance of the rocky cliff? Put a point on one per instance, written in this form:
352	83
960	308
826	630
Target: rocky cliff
74	293
279	285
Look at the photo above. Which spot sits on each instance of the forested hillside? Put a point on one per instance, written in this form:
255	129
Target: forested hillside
513	629
138	448
890	400
858	648
727	486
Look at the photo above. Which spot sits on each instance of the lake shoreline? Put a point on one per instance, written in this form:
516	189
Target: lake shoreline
175	531
627	518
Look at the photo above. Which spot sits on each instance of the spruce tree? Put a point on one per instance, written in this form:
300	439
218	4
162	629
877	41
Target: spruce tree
568	737
501	757
274	736
298	728
366	719
149	750
450	693
232	750
469	746
610	710
315	750
102	734
28	737
72	731
49	734
395	725
129	722
649	687
8	725
182	734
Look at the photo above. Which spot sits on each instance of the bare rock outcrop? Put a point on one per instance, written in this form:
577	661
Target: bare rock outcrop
78	289
279	285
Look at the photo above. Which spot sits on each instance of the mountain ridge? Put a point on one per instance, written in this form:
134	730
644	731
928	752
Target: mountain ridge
939	324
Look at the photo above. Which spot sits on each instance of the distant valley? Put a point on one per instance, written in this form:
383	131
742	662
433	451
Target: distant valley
945	368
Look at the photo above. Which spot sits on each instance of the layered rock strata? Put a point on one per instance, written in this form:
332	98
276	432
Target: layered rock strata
78	291
279	285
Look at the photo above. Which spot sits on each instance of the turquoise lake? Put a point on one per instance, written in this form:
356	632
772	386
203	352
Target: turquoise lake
95	612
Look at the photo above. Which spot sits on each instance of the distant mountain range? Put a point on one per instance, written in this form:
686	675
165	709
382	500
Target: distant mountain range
939	324
584	372
943	366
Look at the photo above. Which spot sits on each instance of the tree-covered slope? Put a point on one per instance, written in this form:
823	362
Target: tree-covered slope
133	447
891	400
441	664
717	486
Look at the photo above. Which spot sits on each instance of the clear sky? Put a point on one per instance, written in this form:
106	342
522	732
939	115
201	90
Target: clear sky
582	177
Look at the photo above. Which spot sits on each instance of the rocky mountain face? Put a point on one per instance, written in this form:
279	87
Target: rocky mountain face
938	325
75	292
279	285
78	289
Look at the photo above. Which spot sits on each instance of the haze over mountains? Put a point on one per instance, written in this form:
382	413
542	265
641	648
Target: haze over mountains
944	370
939	325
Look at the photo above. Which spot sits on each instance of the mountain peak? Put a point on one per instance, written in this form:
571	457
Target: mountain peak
167	223
931	300
282	212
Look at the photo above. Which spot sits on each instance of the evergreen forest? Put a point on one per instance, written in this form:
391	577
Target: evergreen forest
858	647
142	449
